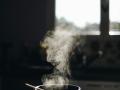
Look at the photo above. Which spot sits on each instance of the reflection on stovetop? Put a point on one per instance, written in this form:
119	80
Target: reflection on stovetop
19	84
97	85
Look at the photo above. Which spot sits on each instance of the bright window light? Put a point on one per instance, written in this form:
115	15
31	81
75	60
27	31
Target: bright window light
84	14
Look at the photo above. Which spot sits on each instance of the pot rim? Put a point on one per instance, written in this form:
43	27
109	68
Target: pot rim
38	86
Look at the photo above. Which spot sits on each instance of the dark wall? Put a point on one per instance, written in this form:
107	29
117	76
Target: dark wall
24	20
23	25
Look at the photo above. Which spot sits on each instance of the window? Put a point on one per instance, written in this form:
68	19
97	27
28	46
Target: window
84	15
114	16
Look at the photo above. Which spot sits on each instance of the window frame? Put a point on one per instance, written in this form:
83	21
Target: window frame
104	22
104	16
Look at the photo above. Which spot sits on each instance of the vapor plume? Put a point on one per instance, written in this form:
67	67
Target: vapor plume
59	45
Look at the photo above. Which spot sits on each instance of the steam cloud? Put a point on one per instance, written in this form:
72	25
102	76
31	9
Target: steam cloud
59	45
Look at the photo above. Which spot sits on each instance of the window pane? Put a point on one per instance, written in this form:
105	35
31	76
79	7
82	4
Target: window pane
83	15
114	17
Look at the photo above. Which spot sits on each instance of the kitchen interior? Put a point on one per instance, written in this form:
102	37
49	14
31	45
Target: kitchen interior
95	63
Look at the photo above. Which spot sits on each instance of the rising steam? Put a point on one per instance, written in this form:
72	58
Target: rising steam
59	46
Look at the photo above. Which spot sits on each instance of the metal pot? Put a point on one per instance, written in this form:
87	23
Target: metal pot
54	87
